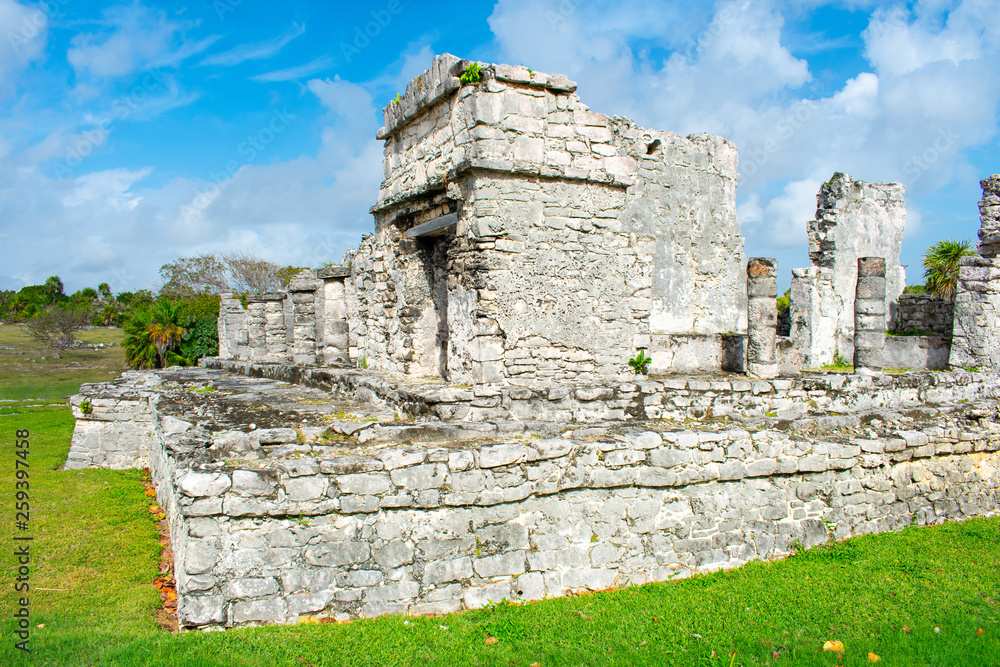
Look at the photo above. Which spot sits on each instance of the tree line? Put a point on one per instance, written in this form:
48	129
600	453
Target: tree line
175	326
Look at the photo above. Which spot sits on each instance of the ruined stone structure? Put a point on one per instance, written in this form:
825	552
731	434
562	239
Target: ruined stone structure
446	419
854	219
976	334
320	511
519	235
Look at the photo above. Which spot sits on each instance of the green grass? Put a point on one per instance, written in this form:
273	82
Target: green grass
95	541
25	375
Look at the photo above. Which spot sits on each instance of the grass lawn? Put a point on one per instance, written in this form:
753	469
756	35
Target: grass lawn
95	553
25	374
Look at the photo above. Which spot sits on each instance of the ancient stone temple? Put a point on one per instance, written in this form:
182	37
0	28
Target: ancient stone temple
447	419
520	235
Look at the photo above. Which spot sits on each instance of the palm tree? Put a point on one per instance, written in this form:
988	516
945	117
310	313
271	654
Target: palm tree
166	327
941	266
140	353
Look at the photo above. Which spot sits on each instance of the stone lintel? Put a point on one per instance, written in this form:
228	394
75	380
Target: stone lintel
329	272
436	227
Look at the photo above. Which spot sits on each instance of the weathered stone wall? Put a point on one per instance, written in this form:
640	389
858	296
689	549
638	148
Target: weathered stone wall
115	423
808	397
565	240
976	334
855	219
233	331
917	352
270	524
433	532
925	312
814	314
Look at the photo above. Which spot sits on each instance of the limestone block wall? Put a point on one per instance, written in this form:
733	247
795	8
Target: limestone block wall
568	239
856	219
434	531
923	311
814	312
976	341
233	331
115	423
807	400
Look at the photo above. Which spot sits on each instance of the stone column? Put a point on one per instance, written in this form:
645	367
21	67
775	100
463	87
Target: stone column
869	315
335	327
976	327
303	289
762	316
256	341
275	329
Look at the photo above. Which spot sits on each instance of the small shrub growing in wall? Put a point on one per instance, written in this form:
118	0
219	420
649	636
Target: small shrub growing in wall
86	408
472	74
640	362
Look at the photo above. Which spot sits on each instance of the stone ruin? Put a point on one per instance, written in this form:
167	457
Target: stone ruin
518	235
446	418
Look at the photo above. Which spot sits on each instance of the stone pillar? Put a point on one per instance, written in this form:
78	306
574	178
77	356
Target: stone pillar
814	314
869	315
335	328
275	329
762	316
976	327
303	289
255	328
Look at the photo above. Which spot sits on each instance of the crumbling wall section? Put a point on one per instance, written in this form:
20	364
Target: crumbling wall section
856	219
976	329
925	313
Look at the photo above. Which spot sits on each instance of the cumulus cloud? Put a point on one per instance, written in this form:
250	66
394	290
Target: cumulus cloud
930	92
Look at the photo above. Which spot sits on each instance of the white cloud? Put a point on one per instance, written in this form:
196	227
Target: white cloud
932	91
23	35
255	51
133	37
301	211
111	188
302	71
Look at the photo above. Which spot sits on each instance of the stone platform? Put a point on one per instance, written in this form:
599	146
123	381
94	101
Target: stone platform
286	500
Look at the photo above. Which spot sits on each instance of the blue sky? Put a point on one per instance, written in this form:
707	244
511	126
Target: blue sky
134	133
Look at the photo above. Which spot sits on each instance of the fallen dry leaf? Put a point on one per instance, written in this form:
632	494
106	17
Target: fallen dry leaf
535	664
979	631
834	646
906	628
492	640
873	658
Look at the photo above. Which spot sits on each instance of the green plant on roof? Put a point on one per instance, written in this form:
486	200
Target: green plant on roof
640	362
396	100
472	74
